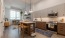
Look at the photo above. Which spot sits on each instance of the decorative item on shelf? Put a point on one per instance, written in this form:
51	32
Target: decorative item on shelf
29	13
62	20
6	19
28	18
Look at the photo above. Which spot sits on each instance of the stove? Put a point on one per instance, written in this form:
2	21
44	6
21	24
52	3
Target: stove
52	26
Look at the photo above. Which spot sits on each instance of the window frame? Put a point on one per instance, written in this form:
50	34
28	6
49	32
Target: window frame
15	17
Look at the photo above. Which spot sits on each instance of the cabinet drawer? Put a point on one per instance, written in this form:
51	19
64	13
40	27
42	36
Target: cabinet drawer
60	25
60	31
61	28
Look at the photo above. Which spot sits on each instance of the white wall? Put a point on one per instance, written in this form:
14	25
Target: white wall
46	4
44	7
7	13
2	12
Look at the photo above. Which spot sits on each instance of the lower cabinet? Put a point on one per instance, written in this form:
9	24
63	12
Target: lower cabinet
41	25
61	28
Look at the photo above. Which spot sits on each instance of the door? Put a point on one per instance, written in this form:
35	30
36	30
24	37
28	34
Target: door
1	18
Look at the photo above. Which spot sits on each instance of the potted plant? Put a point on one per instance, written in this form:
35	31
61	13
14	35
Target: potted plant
21	13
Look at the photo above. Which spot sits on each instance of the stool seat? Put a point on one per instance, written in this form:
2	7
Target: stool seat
23	26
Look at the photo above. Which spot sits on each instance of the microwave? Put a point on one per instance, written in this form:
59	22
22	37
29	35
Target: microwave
52	14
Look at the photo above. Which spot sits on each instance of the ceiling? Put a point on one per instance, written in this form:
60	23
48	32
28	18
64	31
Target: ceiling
33	1
19	3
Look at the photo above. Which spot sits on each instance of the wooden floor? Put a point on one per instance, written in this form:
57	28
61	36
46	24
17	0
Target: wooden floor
12	32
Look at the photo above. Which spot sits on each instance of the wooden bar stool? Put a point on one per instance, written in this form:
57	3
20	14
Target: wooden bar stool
23	27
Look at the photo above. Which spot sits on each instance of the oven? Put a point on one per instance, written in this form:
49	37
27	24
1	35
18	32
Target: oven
52	26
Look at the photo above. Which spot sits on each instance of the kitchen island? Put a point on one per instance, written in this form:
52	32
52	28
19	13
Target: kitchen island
31	27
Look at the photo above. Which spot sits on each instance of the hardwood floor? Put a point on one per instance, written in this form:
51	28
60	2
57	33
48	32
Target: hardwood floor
12	32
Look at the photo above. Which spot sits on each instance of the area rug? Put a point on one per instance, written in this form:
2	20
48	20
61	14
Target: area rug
43	32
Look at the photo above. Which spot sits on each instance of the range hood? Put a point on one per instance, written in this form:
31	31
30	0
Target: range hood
53	14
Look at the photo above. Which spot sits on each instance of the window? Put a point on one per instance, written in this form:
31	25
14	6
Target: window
14	14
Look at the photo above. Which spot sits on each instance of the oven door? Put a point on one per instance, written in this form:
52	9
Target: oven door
50	26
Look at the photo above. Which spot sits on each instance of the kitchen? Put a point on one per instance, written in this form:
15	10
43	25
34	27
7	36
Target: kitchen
46	16
52	18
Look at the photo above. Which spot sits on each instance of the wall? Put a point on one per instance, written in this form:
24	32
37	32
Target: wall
46	4
2	12
7	13
44	13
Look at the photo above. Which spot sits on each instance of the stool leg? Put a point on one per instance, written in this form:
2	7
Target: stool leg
22	32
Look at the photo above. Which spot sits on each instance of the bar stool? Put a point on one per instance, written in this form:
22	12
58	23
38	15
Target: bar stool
23	27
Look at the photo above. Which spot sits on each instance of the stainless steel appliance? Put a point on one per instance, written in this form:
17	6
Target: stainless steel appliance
52	26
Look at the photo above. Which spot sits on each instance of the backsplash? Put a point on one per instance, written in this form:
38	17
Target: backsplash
58	19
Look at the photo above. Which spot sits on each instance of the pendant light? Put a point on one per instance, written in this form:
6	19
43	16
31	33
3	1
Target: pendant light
30	11
25	9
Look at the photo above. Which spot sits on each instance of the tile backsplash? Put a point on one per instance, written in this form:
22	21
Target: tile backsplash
58	19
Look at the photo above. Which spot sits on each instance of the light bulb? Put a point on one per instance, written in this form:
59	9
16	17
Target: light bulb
26	12
30	11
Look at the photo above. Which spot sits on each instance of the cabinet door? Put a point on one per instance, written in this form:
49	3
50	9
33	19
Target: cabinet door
61	28
64	29
41	25
37	24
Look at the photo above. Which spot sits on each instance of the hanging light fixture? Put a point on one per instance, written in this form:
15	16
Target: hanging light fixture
25	9
30	11
26	13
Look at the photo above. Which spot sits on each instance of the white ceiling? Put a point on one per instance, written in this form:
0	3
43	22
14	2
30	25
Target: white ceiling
19	3
33	1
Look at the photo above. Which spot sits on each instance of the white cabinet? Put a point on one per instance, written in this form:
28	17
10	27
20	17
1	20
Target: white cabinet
1	18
